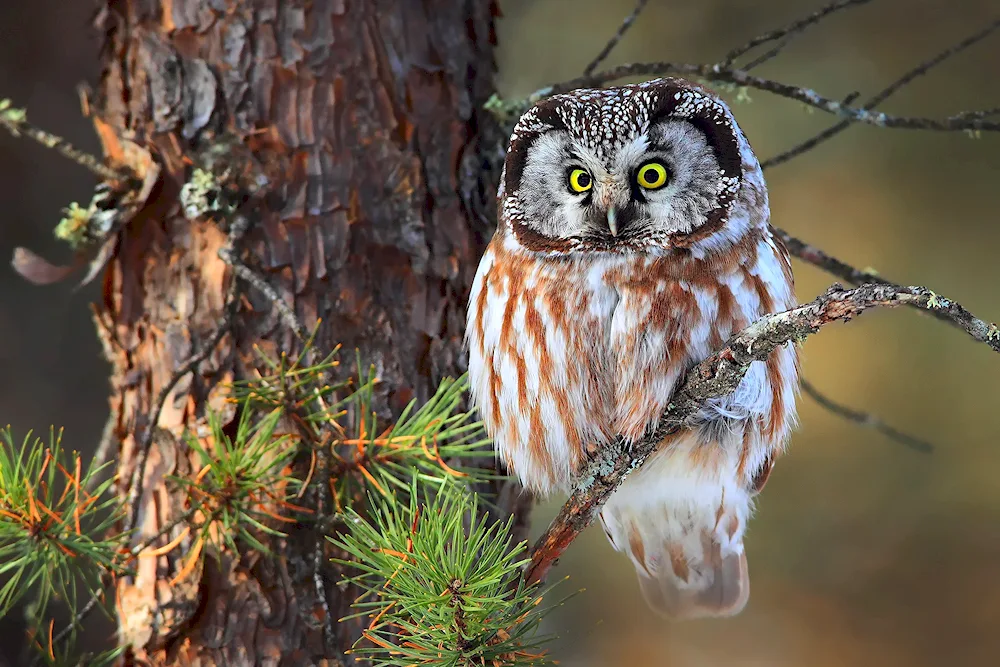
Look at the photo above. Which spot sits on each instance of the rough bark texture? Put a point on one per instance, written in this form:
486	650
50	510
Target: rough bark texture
365	118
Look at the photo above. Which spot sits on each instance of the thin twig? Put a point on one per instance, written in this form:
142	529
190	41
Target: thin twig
329	636
984	113
790	30
95	597
16	122
80	616
719	375
228	255
767	55
104	445
223	327
613	42
965	121
889	91
865	419
138	475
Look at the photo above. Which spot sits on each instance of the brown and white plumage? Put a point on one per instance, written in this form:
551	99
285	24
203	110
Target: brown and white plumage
589	306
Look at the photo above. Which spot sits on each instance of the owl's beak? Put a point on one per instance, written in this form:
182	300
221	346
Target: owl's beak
612	224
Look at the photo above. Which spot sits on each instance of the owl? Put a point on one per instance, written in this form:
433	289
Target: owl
633	241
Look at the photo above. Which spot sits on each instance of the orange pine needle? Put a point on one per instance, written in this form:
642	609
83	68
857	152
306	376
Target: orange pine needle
76	495
284	519
55	517
201	473
20	519
192	562
65	549
448	469
45	463
413	529
368	475
309	475
64	493
335	495
381	614
375	640
168	547
32	510
291	506
397	554
71	478
52	623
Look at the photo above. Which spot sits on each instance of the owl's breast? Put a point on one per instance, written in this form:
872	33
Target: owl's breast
540	362
569	353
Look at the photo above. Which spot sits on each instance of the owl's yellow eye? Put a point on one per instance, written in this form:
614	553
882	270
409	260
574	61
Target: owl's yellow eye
580	180
652	175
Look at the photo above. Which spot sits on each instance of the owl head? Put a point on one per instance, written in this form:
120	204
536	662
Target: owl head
657	164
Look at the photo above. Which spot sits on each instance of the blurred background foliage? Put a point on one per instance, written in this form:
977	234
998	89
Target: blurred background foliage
862	552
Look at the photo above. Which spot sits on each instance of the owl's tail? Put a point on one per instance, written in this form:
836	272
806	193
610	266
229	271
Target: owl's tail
681	522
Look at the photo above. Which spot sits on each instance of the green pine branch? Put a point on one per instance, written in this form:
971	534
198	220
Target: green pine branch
442	584
52	529
373	457
243	479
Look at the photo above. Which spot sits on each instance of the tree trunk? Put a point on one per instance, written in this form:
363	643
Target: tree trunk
365	119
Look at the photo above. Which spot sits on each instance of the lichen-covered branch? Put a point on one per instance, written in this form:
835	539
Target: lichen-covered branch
720	374
717	72
16	122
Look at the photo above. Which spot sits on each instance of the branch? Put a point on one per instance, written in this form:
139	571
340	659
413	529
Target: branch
889	91
717	72
719	375
613	42
95	596
138	475
954	315
865	419
16	122
228	254
788	31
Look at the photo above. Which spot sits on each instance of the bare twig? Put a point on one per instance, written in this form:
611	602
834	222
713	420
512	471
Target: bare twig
138	475
329	636
790	30
104	446
96	596
767	55
965	121
228	255
864	419
84	612
718	375
16	122
229	312
985	113
613	42
888	92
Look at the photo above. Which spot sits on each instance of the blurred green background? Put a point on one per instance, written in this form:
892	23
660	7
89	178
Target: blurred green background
862	552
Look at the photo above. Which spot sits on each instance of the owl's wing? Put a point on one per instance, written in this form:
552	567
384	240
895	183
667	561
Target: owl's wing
681	517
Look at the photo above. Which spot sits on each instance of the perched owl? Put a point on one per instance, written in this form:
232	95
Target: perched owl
633	241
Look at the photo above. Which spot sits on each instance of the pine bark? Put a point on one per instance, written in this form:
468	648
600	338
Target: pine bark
365	121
